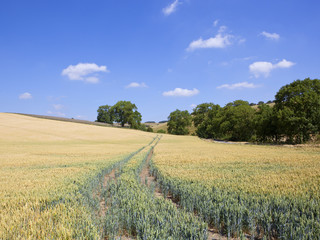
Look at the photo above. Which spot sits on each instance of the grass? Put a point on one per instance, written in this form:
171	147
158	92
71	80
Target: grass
43	166
264	191
50	169
246	168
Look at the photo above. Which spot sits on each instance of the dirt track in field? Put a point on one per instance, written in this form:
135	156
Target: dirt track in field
149	180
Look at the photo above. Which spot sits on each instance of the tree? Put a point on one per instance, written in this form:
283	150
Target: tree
178	122
298	109
265	123
105	114
206	119
237	121
122	112
126	112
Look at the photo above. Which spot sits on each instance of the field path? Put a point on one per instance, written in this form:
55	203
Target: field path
149	180
102	203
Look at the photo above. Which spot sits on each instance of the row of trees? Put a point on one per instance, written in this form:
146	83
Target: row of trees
294	117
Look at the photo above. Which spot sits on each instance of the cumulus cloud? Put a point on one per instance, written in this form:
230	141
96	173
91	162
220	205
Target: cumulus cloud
171	8
25	96
264	68
284	64
272	36
240	85
180	92
221	40
83	72
136	85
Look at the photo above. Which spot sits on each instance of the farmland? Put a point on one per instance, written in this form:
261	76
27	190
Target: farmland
64	180
260	190
44	164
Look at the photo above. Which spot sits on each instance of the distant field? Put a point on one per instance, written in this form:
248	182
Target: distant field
67	119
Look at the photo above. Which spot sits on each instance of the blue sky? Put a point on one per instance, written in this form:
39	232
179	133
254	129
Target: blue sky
66	58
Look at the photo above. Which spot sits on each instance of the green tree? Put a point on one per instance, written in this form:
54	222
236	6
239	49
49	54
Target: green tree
149	129
298	109
126	112
123	112
179	121
265	123
237	121
105	114
206	118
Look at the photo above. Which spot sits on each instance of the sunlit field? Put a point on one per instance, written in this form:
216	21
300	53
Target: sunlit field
44	164
248	168
271	191
63	180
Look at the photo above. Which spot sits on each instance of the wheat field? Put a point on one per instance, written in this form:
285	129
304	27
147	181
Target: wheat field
52	185
269	192
43	163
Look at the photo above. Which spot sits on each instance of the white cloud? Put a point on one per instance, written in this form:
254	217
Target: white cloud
171	8
136	85
82	72
25	96
215	23
264	68
284	64
240	85
57	106
221	40
261	68
180	92
272	36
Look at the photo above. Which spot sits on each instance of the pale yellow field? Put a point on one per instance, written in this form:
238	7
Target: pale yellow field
273	170
43	161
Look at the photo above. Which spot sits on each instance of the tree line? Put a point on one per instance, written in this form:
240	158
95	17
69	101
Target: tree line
294	117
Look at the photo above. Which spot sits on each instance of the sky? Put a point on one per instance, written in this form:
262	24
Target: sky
66	58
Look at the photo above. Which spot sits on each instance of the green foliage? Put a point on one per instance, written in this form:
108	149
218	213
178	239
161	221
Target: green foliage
265	123
206	118
295	116
237	121
234	121
235	213
105	114
161	131
143	127
134	209
149	129
122	112
179	121
298	109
